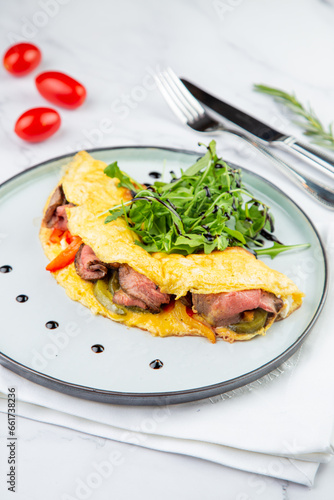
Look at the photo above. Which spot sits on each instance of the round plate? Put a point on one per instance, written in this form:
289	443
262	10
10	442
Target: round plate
62	358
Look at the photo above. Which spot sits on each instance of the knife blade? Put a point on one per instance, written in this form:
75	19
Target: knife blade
261	130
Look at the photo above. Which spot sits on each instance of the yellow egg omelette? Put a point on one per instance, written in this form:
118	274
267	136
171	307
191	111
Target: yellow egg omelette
227	295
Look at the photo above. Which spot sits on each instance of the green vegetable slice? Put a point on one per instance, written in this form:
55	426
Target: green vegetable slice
103	295
260	317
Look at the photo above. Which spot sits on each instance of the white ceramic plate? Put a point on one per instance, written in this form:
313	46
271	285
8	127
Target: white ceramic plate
193	368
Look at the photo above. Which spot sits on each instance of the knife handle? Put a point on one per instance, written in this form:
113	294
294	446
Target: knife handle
322	193
315	157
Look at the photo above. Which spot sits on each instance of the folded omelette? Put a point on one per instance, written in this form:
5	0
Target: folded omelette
227	295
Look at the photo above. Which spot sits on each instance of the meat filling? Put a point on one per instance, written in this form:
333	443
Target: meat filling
136	290
123	299
60	217
269	302
57	199
223	309
88	266
140	288
55	215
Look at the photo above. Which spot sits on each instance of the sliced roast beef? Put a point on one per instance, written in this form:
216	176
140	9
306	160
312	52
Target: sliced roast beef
222	309
57	199
269	302
123	299
60	217
139	287
88	266
187	300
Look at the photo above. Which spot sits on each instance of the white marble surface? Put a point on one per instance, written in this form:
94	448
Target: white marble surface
114	47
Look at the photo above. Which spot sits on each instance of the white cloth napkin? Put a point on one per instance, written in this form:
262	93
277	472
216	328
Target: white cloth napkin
281	426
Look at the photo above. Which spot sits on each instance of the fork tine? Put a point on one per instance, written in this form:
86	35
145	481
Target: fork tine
188	97
172	100
179	96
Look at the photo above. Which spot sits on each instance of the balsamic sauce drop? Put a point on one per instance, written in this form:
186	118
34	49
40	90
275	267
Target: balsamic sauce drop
5	269
209	236
272	226
156	364
155	175
97	348
172	205
52	325
22	298
269	237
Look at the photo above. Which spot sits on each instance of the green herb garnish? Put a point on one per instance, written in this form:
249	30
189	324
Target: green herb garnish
278	248
113	170
207	208
311	123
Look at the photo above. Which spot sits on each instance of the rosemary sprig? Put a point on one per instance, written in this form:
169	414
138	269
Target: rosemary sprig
310	123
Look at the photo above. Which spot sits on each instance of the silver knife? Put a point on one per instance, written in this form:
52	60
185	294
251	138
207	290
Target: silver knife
262	131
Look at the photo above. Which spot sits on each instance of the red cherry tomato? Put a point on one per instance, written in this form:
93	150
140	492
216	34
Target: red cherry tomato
22	58
37	124
61	89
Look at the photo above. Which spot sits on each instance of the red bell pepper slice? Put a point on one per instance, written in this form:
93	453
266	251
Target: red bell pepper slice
65	257
56	235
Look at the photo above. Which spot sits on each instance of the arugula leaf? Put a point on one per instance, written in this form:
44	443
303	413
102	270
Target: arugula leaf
203	162
194	240
114	215
236	234
278	248
212	148
113	171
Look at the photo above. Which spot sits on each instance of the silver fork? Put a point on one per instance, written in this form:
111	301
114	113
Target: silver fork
191	113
